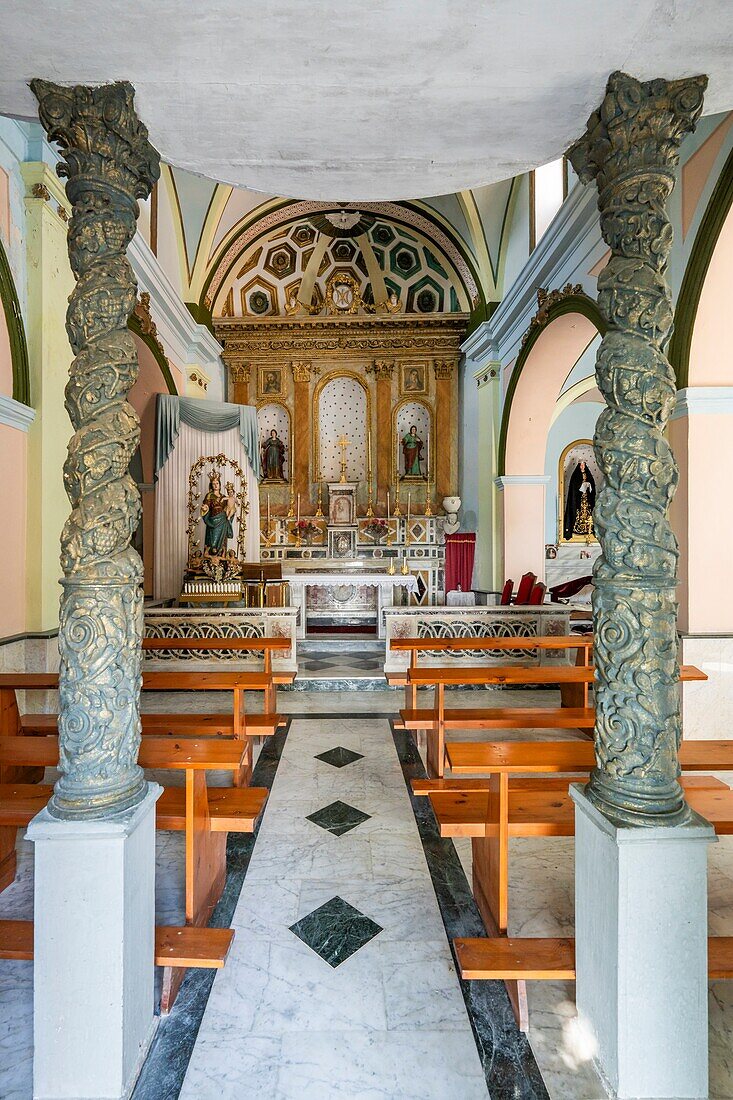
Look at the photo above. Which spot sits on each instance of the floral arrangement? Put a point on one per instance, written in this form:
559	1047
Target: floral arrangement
377	529
304	529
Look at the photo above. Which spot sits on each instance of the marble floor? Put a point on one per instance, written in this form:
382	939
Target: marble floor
366	988
340	982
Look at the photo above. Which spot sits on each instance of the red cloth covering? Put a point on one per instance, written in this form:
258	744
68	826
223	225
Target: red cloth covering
460	550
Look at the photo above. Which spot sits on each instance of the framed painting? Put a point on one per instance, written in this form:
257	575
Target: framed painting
413	378
271	382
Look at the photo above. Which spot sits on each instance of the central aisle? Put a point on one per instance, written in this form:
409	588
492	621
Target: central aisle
382	1020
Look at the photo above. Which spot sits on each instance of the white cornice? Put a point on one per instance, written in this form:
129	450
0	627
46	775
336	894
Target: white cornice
15	414
508	480
184	340
704	401
480	345
571	236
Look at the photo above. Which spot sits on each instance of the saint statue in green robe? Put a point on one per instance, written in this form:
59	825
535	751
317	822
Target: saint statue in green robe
411	451
217	512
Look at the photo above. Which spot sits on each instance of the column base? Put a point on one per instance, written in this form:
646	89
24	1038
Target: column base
94	952
641	952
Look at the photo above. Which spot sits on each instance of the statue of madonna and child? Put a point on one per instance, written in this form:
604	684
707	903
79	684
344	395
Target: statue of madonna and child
217	512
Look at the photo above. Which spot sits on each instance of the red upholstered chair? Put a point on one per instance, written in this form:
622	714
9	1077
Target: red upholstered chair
537	594
506	594
525	588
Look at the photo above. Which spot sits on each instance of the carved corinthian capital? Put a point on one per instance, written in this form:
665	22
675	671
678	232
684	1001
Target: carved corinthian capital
631	148
109	164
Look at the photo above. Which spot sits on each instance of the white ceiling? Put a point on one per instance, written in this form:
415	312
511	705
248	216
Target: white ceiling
327	99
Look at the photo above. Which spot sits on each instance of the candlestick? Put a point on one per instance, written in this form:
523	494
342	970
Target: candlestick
388	506
405	567
397	512
428	507
391	567
319	509
291	502
409	502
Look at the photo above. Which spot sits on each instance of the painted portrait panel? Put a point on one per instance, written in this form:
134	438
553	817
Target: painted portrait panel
413	378
271	382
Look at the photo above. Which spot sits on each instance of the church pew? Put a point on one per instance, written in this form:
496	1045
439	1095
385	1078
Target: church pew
583	643
268	646
535	806
440	678
175	946
206	815
175	725
236	682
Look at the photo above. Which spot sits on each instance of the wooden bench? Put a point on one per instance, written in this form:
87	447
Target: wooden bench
583	643
268	646
492	811
205	814
178	947
244	726
435	720
553	959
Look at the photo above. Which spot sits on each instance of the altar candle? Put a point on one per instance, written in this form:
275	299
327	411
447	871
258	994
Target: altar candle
268	513
409	495
388	505
298	519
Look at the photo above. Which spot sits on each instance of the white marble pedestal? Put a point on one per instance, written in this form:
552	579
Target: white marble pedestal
641	952
94	952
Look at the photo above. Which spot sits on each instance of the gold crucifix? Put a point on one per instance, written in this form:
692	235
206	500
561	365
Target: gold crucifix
343	443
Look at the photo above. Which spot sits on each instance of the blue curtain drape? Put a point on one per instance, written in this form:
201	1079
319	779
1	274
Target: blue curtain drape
207	416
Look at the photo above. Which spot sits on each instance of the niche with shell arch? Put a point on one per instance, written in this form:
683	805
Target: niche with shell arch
274	416
413	413
342	407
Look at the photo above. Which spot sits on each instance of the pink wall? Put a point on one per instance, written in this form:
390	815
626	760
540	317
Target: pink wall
548	364
553	356
711	349
150	382
524	530
13	463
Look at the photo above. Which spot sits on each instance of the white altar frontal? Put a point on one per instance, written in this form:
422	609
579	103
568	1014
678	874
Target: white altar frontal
334	593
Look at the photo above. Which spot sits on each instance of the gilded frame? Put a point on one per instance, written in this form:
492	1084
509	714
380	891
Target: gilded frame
262	372
260	404
427	480
407	367
339	372
561	491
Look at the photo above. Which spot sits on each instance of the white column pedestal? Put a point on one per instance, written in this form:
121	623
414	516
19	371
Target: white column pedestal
94	952
641	952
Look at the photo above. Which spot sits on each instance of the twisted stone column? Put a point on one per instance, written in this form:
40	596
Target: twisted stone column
631	148
109	164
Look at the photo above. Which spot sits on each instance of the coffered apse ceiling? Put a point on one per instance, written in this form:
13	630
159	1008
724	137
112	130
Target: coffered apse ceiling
240	253
339	101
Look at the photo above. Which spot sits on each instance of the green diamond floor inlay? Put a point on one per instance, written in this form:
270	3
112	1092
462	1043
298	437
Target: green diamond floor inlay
339	757
336	930
338	818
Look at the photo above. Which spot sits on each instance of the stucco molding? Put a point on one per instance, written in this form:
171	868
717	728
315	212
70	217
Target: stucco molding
557	259
186	341
703	401
506	481
14	414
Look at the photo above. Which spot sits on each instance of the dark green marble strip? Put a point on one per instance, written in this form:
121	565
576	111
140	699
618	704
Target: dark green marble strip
509	1064
161	1077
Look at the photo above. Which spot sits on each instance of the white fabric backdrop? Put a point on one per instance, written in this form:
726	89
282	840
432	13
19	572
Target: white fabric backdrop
171	504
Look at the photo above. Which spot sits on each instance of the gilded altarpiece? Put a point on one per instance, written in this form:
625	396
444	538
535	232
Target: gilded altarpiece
397	360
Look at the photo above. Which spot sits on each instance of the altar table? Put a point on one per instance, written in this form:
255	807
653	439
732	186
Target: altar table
344	579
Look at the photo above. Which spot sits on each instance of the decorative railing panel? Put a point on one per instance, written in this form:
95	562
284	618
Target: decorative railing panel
265	622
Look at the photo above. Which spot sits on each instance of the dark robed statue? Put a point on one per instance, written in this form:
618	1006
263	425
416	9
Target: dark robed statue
273	457
412	451
579	503
217	511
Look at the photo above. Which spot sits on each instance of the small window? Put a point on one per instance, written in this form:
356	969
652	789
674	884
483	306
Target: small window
548	188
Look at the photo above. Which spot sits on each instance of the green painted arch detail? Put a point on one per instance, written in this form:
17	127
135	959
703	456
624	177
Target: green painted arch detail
701	254
16	332
574	303
134	326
